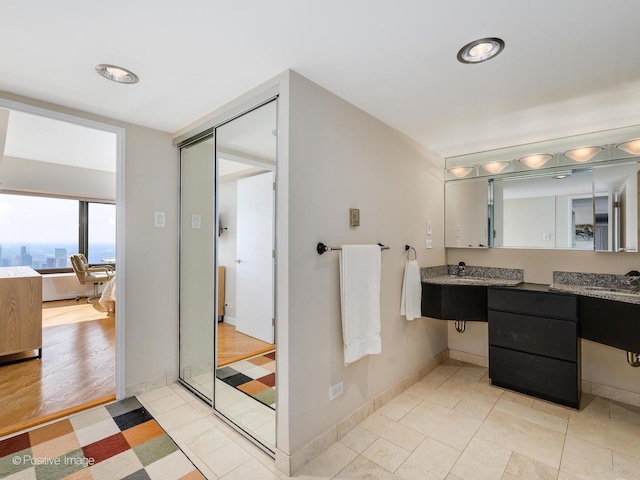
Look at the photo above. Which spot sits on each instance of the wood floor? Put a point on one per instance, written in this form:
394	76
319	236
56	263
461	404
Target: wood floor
235	346
77	369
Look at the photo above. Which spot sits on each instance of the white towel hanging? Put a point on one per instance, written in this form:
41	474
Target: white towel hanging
360	267
411	299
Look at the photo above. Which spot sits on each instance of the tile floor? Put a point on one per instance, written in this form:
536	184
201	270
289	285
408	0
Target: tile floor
450	425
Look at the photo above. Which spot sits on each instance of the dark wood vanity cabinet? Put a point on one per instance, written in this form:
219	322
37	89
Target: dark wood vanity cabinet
616	324
533	342
454	302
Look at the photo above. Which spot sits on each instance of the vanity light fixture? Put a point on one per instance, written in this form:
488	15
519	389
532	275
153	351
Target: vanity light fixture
495	167
632	146
480	50
460	171
117	74
561	175
583	154
535	160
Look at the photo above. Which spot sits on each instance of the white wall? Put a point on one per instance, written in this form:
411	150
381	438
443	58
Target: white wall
151	295
228	201
341	157
526	220
600	363
44	177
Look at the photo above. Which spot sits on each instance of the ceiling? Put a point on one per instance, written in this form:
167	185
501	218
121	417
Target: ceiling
568	67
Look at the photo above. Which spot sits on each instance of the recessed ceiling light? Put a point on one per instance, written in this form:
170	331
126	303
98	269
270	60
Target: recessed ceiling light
117	74
480	50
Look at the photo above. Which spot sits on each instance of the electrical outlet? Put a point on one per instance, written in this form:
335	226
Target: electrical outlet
429	243
335	391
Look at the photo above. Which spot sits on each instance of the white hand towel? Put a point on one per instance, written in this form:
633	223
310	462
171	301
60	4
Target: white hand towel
410	303
360	267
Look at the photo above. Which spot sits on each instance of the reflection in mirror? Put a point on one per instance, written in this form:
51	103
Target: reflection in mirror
196	266
615	190
583	209
245	359
466	204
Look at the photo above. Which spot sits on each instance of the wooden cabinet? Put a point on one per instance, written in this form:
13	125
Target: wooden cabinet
20	310
454	302
533	342
613	323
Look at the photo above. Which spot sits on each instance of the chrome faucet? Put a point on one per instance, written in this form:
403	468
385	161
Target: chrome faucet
461	266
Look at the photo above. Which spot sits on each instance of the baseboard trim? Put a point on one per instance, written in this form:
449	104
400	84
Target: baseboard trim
472	358
148	385
290	464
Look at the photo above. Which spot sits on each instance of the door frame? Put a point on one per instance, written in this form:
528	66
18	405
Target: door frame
120	133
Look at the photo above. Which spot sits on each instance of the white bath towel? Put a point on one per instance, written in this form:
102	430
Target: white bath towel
410	303
360	267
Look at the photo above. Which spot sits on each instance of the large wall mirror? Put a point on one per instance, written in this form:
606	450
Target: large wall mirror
585	203
227	270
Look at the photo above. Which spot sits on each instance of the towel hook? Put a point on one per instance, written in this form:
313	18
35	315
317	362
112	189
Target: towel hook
408	248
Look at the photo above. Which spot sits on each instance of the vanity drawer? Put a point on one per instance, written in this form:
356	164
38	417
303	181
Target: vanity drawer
544	304
555	380
538	335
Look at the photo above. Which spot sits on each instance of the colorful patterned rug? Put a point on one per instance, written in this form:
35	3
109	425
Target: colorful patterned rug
255	376
117	441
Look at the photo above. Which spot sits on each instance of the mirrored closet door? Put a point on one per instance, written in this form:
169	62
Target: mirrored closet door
228	270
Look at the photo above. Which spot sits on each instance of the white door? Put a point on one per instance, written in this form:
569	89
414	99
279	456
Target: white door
254	263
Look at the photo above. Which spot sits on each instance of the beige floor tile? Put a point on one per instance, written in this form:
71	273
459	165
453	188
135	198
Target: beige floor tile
167	403
451	476
256	417
589	451
557	410
529	439
535	416
190	431
251	470
463	387
364	469
447	426
425	392
386	454
177	417
328	463
624	412
432	460
208	441
358	439
592	406
519	398
616	434
400	435
226	459
584	469
562	476
525	468
399	406
474	408
438	376
199	463
626	466
482	460
474	372
156	394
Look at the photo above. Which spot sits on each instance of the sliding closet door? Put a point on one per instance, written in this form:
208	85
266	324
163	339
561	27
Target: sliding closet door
197	287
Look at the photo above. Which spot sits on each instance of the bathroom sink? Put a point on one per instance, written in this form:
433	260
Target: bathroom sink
467	280
611	291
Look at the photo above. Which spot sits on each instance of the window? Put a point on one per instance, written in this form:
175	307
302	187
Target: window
43	232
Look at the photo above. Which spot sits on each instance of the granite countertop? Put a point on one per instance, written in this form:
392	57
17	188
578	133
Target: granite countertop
607	286
479	276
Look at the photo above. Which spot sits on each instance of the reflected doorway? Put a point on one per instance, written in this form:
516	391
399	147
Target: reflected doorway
227	269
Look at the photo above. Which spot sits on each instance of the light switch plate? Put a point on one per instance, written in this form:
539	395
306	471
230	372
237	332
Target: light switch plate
429	229
159	219
195	221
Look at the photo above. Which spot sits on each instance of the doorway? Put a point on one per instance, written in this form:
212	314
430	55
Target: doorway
227	270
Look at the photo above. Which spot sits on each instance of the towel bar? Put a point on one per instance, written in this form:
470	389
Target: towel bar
408	248
321	248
